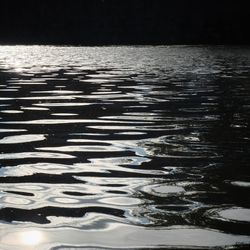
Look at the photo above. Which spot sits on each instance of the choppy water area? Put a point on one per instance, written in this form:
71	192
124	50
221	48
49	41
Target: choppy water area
124	147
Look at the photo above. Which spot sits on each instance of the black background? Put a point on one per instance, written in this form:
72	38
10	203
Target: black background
100	22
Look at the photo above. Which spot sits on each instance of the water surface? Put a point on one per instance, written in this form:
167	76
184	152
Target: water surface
124	147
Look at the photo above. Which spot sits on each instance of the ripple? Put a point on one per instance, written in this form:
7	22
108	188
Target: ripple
132	127
19	193
16	201
121	201
64	114
28	83
8	90
98	151
235	214
39	167
241	184
131	133
34	108
102	76
23	155
62	104
64	200
88	148
99	81
31	187
56	92
164	190
12	130
64	121
56	97
22	139
12	111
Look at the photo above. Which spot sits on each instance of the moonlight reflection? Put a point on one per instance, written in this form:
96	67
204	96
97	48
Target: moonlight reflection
156	156
31	238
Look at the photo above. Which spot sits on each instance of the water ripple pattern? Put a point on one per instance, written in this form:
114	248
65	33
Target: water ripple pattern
124	147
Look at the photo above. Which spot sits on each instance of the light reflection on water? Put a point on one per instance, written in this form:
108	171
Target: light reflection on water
101	150
129	236
31	238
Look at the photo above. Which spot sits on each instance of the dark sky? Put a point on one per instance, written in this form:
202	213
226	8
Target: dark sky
99	22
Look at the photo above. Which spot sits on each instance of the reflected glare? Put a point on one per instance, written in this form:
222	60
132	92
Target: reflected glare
31	238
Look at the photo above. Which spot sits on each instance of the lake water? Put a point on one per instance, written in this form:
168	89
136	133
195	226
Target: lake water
124	147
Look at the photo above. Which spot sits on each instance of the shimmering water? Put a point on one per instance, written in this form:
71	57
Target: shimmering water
124	147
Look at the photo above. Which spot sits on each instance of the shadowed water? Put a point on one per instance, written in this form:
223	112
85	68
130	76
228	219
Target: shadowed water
124	147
